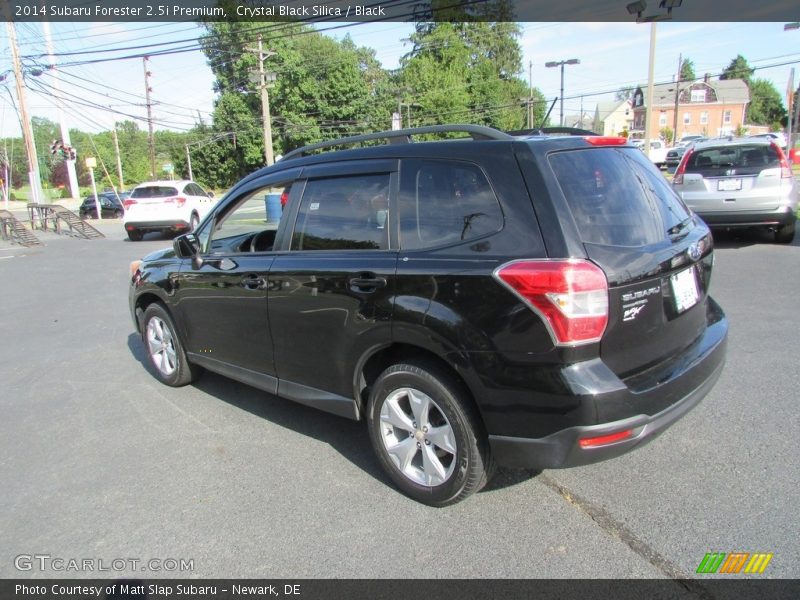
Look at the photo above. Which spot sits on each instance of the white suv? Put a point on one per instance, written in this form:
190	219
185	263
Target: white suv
175	206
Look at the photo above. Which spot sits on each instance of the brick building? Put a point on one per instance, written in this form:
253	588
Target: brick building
711	107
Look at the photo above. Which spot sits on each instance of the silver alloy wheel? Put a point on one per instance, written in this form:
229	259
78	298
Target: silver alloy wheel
418	437
162	346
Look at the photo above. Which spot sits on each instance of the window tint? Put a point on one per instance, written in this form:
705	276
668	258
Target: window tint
343	213
743	159
443	202
154	191
616	196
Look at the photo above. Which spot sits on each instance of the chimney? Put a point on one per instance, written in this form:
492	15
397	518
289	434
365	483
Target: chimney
706	77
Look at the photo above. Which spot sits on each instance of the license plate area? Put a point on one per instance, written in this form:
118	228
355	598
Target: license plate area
729	185
684	289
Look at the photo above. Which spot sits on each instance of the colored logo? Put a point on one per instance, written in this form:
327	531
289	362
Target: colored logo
735	562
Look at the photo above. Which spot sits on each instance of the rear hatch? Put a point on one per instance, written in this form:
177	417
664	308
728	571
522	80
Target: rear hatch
150	198
732	177
656	255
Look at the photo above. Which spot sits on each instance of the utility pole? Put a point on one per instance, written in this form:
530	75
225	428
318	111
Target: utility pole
119	159
151	144
677	99
265	78
24	117
649	108
189	162
530	94
74	190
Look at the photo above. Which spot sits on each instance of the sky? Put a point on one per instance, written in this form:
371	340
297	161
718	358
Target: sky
612	55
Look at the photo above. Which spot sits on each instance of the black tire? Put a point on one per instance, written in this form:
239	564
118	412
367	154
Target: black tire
164	348
785	235
463	469
194	220
135	235
117	214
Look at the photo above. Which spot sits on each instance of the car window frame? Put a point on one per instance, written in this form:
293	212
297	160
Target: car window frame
237	195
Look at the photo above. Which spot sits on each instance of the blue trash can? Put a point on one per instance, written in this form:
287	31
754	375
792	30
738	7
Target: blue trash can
273	207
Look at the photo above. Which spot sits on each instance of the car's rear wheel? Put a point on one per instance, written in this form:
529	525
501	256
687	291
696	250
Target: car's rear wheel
135	235
165	350
785	234
117	214
427	435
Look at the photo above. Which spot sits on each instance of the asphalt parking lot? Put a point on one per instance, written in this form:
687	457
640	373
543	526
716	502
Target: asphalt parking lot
99	460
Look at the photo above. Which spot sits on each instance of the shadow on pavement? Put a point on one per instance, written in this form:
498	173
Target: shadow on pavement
349	438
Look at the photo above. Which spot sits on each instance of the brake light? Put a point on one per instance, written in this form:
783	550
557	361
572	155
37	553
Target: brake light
178	200
605	440
678	177
606	140
786	170
571	295
128	202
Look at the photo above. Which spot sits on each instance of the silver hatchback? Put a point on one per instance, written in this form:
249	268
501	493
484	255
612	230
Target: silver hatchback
740	183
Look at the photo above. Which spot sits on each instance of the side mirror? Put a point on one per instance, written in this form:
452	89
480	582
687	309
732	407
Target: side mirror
188	246
210	194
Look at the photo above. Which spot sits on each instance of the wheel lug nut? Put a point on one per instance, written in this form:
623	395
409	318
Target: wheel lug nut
427	442
419	445
414	424
424	430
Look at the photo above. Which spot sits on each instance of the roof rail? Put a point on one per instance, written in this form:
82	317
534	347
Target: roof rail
403	136
552	131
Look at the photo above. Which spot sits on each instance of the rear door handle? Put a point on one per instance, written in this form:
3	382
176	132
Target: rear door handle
367	282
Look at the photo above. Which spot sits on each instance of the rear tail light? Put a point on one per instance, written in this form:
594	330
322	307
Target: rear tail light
605	440
570	295
786	170
178	200
678	177
128	202
605	140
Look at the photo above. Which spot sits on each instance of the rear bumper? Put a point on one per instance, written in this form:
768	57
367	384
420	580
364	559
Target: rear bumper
669	391
784	215
176	225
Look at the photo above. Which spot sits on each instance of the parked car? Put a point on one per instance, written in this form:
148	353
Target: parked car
528	301
166	206
774	136
674	156
740	183
111	207
690	139
658	151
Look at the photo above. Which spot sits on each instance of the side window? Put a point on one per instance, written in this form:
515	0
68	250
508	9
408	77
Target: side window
343	213
443	202
250	225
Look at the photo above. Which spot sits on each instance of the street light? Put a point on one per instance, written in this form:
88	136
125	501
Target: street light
561	63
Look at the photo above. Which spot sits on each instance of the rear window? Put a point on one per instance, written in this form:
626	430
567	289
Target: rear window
719	161
616	196
154	191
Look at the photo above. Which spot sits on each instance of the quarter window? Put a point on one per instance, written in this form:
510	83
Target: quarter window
443	202
344	213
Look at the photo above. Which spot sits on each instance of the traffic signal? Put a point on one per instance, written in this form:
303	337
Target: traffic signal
56	147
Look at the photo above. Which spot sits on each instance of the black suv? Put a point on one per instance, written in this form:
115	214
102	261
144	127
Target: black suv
529	300
110	206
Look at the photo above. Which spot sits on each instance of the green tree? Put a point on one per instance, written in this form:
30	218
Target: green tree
766	105
687	70
667	134
624	93
738	69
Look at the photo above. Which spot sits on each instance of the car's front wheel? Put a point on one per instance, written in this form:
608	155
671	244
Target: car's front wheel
427	434
164	349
